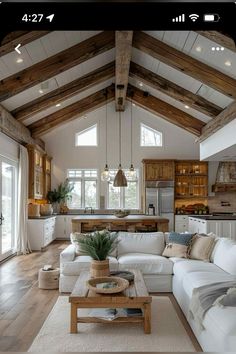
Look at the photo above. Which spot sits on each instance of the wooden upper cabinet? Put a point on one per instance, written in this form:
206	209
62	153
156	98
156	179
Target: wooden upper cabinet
39	173
159	170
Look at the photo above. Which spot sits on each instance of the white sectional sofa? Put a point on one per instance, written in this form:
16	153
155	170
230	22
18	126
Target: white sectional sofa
177	275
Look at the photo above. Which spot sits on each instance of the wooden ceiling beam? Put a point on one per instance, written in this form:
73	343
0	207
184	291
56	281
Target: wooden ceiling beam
219	38
225	117
165	111
56	64
11	40
72	112
171	89
123	40
185	63
64	92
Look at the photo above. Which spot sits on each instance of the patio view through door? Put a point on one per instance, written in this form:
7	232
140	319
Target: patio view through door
8	198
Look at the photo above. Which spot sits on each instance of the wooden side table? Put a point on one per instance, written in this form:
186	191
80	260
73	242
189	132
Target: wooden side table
49	279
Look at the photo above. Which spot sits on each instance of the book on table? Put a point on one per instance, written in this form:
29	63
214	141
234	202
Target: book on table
110	314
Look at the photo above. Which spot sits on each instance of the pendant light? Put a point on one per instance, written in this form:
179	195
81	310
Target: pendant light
120	179
105	176
131	173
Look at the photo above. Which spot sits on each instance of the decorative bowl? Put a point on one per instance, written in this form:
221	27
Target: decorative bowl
107	285
121	213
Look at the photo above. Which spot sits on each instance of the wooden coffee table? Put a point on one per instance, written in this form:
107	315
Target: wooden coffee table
135	296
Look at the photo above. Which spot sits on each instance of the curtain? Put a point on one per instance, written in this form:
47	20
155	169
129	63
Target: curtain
22	244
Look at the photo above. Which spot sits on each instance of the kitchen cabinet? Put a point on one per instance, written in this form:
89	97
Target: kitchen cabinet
191	179
36	174
181	223
47	174
221	228
158	170
63	226
41	232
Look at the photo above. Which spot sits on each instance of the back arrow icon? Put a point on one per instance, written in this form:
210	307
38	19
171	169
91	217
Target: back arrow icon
17	49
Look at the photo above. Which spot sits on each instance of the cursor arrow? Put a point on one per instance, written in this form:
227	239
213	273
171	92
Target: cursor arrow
17	49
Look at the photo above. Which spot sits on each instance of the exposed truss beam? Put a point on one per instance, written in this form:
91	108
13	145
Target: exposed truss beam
19	37
225	117
64	92
166	111
123	56
185	63
219	38
72	112
56	64
171	89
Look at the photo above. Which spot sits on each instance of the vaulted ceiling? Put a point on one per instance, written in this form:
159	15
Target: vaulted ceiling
61	76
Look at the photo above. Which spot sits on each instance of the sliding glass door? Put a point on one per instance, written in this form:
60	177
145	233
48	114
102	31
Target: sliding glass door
8	205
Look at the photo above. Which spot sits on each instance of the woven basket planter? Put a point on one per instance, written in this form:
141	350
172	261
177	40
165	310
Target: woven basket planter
99	268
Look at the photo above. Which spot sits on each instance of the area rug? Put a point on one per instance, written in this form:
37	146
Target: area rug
168	333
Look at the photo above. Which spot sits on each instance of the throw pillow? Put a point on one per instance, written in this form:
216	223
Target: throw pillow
228	299
202	247
74	238
180	238
175	250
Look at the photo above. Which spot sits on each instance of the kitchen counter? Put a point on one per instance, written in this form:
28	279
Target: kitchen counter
214	217
139	222
42	217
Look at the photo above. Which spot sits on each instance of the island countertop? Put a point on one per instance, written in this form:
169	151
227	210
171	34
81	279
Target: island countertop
132	223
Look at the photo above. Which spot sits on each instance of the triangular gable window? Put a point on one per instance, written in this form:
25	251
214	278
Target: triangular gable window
87	137
150	136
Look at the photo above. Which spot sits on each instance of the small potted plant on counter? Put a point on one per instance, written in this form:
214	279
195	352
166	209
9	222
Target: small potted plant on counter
59	196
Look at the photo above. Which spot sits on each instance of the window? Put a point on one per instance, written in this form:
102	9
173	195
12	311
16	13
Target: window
150	136
85	193
126	198
87	137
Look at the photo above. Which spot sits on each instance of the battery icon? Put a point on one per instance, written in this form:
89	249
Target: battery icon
211	18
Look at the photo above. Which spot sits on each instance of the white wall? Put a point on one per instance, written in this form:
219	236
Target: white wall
60	143
8	147
221	144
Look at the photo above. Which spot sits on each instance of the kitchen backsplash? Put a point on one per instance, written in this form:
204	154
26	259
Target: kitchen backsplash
222	202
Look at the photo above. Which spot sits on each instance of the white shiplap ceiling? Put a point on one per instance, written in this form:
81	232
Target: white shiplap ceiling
55	42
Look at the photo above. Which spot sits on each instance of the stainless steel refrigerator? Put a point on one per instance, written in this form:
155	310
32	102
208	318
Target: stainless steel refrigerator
161	195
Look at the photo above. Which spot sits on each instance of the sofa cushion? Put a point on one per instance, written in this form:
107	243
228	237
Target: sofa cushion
224	255
146	263
180	238
151	242
180	269
175	250
194	280
81	263
201	247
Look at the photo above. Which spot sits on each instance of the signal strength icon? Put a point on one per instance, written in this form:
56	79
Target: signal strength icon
193	17
180	18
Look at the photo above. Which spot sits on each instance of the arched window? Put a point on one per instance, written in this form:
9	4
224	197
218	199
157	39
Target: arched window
87	137
149	136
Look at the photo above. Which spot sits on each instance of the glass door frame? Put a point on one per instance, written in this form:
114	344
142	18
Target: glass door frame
14	164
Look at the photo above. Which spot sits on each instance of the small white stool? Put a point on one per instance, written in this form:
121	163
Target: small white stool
49	279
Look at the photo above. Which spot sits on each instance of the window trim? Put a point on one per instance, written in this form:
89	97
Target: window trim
122	194
154	130
84	131
83	179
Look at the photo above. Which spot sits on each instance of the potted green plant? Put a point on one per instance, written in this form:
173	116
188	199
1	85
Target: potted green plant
98	246
60	195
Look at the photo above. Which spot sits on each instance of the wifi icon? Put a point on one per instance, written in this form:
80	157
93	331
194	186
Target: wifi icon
193	17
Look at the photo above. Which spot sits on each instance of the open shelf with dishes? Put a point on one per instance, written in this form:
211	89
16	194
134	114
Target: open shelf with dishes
191	179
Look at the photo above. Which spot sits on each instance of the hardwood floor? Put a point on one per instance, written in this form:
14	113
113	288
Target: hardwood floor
24	307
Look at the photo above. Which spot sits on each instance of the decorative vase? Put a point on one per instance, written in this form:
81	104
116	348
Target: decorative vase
99	268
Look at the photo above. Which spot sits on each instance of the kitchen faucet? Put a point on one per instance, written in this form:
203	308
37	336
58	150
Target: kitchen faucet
87	208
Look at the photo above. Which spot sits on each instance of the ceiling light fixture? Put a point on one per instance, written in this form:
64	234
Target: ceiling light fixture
186	106
131	173
19	60
120	179
141	84
40	91
198	49
227	63
105	176
58	105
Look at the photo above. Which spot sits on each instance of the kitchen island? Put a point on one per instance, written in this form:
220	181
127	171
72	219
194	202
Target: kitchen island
132	223
220	225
